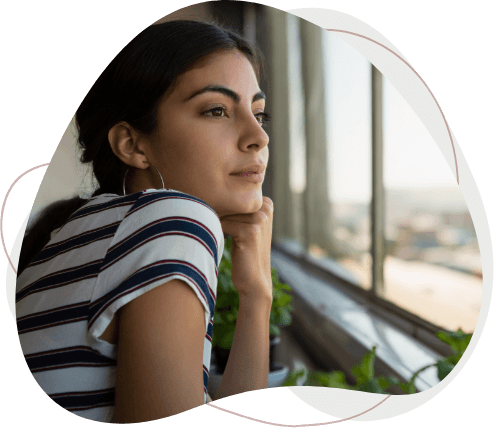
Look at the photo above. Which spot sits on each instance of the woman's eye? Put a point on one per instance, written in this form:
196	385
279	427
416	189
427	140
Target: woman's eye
215	109
266	117
262	117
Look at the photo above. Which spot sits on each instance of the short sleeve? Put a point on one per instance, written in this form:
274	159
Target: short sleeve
165	235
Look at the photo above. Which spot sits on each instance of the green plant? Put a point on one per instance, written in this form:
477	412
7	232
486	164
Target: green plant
364	372
227	303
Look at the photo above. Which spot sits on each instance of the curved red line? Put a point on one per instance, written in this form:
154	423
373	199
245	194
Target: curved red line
3	208
293	426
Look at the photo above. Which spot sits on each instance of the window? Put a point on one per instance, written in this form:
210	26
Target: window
432	266
347	191
349	152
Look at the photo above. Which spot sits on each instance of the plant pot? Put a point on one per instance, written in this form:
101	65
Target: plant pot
273	342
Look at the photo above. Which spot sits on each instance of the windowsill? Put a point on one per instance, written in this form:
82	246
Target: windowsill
344	328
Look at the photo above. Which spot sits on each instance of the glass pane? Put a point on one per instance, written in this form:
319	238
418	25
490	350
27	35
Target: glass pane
349	158
432	265
297	127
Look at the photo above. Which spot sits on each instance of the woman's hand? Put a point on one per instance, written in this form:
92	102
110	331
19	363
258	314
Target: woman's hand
251	250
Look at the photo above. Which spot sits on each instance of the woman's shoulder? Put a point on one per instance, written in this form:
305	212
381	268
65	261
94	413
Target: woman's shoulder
181	211
170	198
148	196
144	214
155	204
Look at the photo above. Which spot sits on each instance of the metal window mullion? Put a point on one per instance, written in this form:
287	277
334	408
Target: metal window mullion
377	201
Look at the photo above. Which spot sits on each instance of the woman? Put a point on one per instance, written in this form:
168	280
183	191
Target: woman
115	295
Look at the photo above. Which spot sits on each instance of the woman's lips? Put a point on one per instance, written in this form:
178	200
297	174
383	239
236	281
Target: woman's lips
253	177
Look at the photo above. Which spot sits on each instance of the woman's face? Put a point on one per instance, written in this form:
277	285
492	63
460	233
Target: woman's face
204	136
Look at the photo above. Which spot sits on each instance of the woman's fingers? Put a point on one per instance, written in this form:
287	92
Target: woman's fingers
268	201
251	244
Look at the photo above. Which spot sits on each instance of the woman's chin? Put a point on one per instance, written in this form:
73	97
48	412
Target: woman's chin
246	203
248	207
256	203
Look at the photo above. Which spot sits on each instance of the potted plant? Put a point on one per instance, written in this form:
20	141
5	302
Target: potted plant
365	375
225	317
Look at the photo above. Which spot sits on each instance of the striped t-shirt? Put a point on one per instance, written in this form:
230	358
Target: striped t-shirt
110	251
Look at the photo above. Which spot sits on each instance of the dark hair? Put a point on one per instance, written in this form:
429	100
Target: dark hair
130	89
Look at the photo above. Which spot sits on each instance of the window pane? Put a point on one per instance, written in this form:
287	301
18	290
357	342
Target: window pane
349	157
297	127
432	266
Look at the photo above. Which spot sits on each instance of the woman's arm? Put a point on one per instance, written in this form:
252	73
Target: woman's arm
160	354
248	364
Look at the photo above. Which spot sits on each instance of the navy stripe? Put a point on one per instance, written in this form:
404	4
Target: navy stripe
78	241
209	332
85	400
68	357
168	226
149	197
205	376
84	356
61	278
98	208
148	274
63	315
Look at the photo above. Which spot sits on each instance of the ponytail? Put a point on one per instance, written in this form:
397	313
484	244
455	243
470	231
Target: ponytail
38	233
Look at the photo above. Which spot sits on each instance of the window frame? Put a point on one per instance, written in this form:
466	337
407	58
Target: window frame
411	324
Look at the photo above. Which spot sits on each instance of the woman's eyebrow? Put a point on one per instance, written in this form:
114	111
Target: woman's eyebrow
226	91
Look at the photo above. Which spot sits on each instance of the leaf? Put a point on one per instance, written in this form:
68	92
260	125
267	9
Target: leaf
284	319
335	379
458	341
386	382
229	317
365	371
224	283
409	388
284	299
274	330
222	301
285	287
226	340
217	319
444	369
357	371
453	359
294	376
277	294
371	386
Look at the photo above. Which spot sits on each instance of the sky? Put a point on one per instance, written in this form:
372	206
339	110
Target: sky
411	156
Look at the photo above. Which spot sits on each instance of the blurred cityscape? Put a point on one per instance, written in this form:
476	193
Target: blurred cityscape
432	265
432	226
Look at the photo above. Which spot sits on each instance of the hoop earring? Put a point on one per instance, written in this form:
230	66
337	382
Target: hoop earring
125	175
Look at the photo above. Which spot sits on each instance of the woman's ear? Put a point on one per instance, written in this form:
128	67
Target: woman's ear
120	138
128	144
